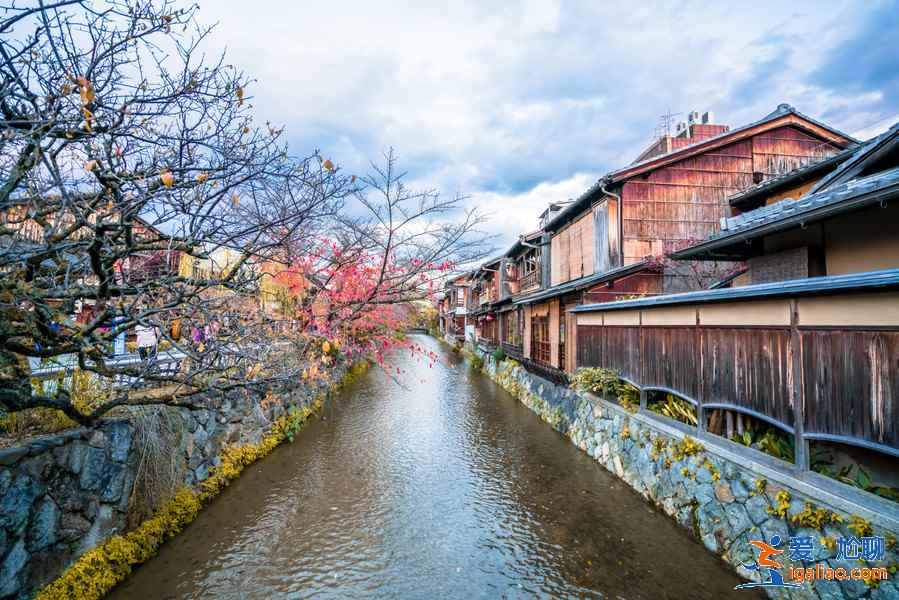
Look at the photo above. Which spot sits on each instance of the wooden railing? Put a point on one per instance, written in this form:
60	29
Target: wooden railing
513	351
548	372
529	282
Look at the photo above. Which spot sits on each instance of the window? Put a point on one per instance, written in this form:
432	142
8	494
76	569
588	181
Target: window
511	329
529	270
540	348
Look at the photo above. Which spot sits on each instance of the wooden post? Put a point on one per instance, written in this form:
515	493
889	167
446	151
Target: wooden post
797	392
642	370
700	413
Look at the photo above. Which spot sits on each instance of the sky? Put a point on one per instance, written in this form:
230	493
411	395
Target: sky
519	103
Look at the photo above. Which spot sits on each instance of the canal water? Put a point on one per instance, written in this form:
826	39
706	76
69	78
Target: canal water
443	487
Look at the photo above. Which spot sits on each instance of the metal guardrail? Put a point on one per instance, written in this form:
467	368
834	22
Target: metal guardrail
61	370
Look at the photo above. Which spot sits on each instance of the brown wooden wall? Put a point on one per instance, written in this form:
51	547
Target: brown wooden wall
684	201
572	250
852	383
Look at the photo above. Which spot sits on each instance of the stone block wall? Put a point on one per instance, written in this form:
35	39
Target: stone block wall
64	493
61	494
724	498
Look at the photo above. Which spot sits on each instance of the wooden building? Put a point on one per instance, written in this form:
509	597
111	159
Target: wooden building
841	221
612	242
807	339
453	308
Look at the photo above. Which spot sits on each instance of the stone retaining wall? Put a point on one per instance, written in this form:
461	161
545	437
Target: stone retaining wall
63	494
724	495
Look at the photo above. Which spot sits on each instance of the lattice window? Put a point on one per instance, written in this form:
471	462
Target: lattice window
540	346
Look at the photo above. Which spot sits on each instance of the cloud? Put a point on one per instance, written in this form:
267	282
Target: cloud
514	214
510	102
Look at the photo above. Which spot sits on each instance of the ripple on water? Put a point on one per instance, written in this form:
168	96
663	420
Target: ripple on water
444	488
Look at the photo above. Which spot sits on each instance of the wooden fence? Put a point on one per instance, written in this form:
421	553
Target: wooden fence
795	364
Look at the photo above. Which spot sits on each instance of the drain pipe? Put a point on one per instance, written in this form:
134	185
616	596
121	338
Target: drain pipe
620	210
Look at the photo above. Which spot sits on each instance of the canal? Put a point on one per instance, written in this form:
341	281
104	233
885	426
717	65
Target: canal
445	487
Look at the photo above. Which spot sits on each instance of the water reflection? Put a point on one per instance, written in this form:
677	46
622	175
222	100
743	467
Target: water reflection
447	488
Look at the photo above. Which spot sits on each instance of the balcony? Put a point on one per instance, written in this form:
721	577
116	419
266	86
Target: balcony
530	281
487	296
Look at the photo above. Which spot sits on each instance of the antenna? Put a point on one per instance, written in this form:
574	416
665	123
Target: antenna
665	122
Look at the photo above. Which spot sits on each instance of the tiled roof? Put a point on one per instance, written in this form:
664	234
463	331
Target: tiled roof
870	280
789	213
581	282
861	154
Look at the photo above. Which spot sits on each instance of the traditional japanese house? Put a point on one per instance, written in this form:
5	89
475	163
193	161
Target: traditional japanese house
611	242
524	270
842	221
453	308
485	291
804	346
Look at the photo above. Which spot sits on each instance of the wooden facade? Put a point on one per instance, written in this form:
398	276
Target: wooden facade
635	216
673	205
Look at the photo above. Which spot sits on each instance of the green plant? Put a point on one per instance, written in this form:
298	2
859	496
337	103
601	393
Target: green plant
499	355
773	442
823	461
595	380
607	382
782	508
674	407
856	476
813	516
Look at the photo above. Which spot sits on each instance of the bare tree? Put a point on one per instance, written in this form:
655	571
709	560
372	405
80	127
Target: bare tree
136	185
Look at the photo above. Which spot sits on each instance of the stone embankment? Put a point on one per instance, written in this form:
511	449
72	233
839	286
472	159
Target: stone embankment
65	493
724	498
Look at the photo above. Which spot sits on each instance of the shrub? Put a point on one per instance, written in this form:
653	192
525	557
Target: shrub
673	407
499	355
773	442
607	382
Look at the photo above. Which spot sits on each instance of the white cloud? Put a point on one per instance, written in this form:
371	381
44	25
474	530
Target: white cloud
514	214
491	99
